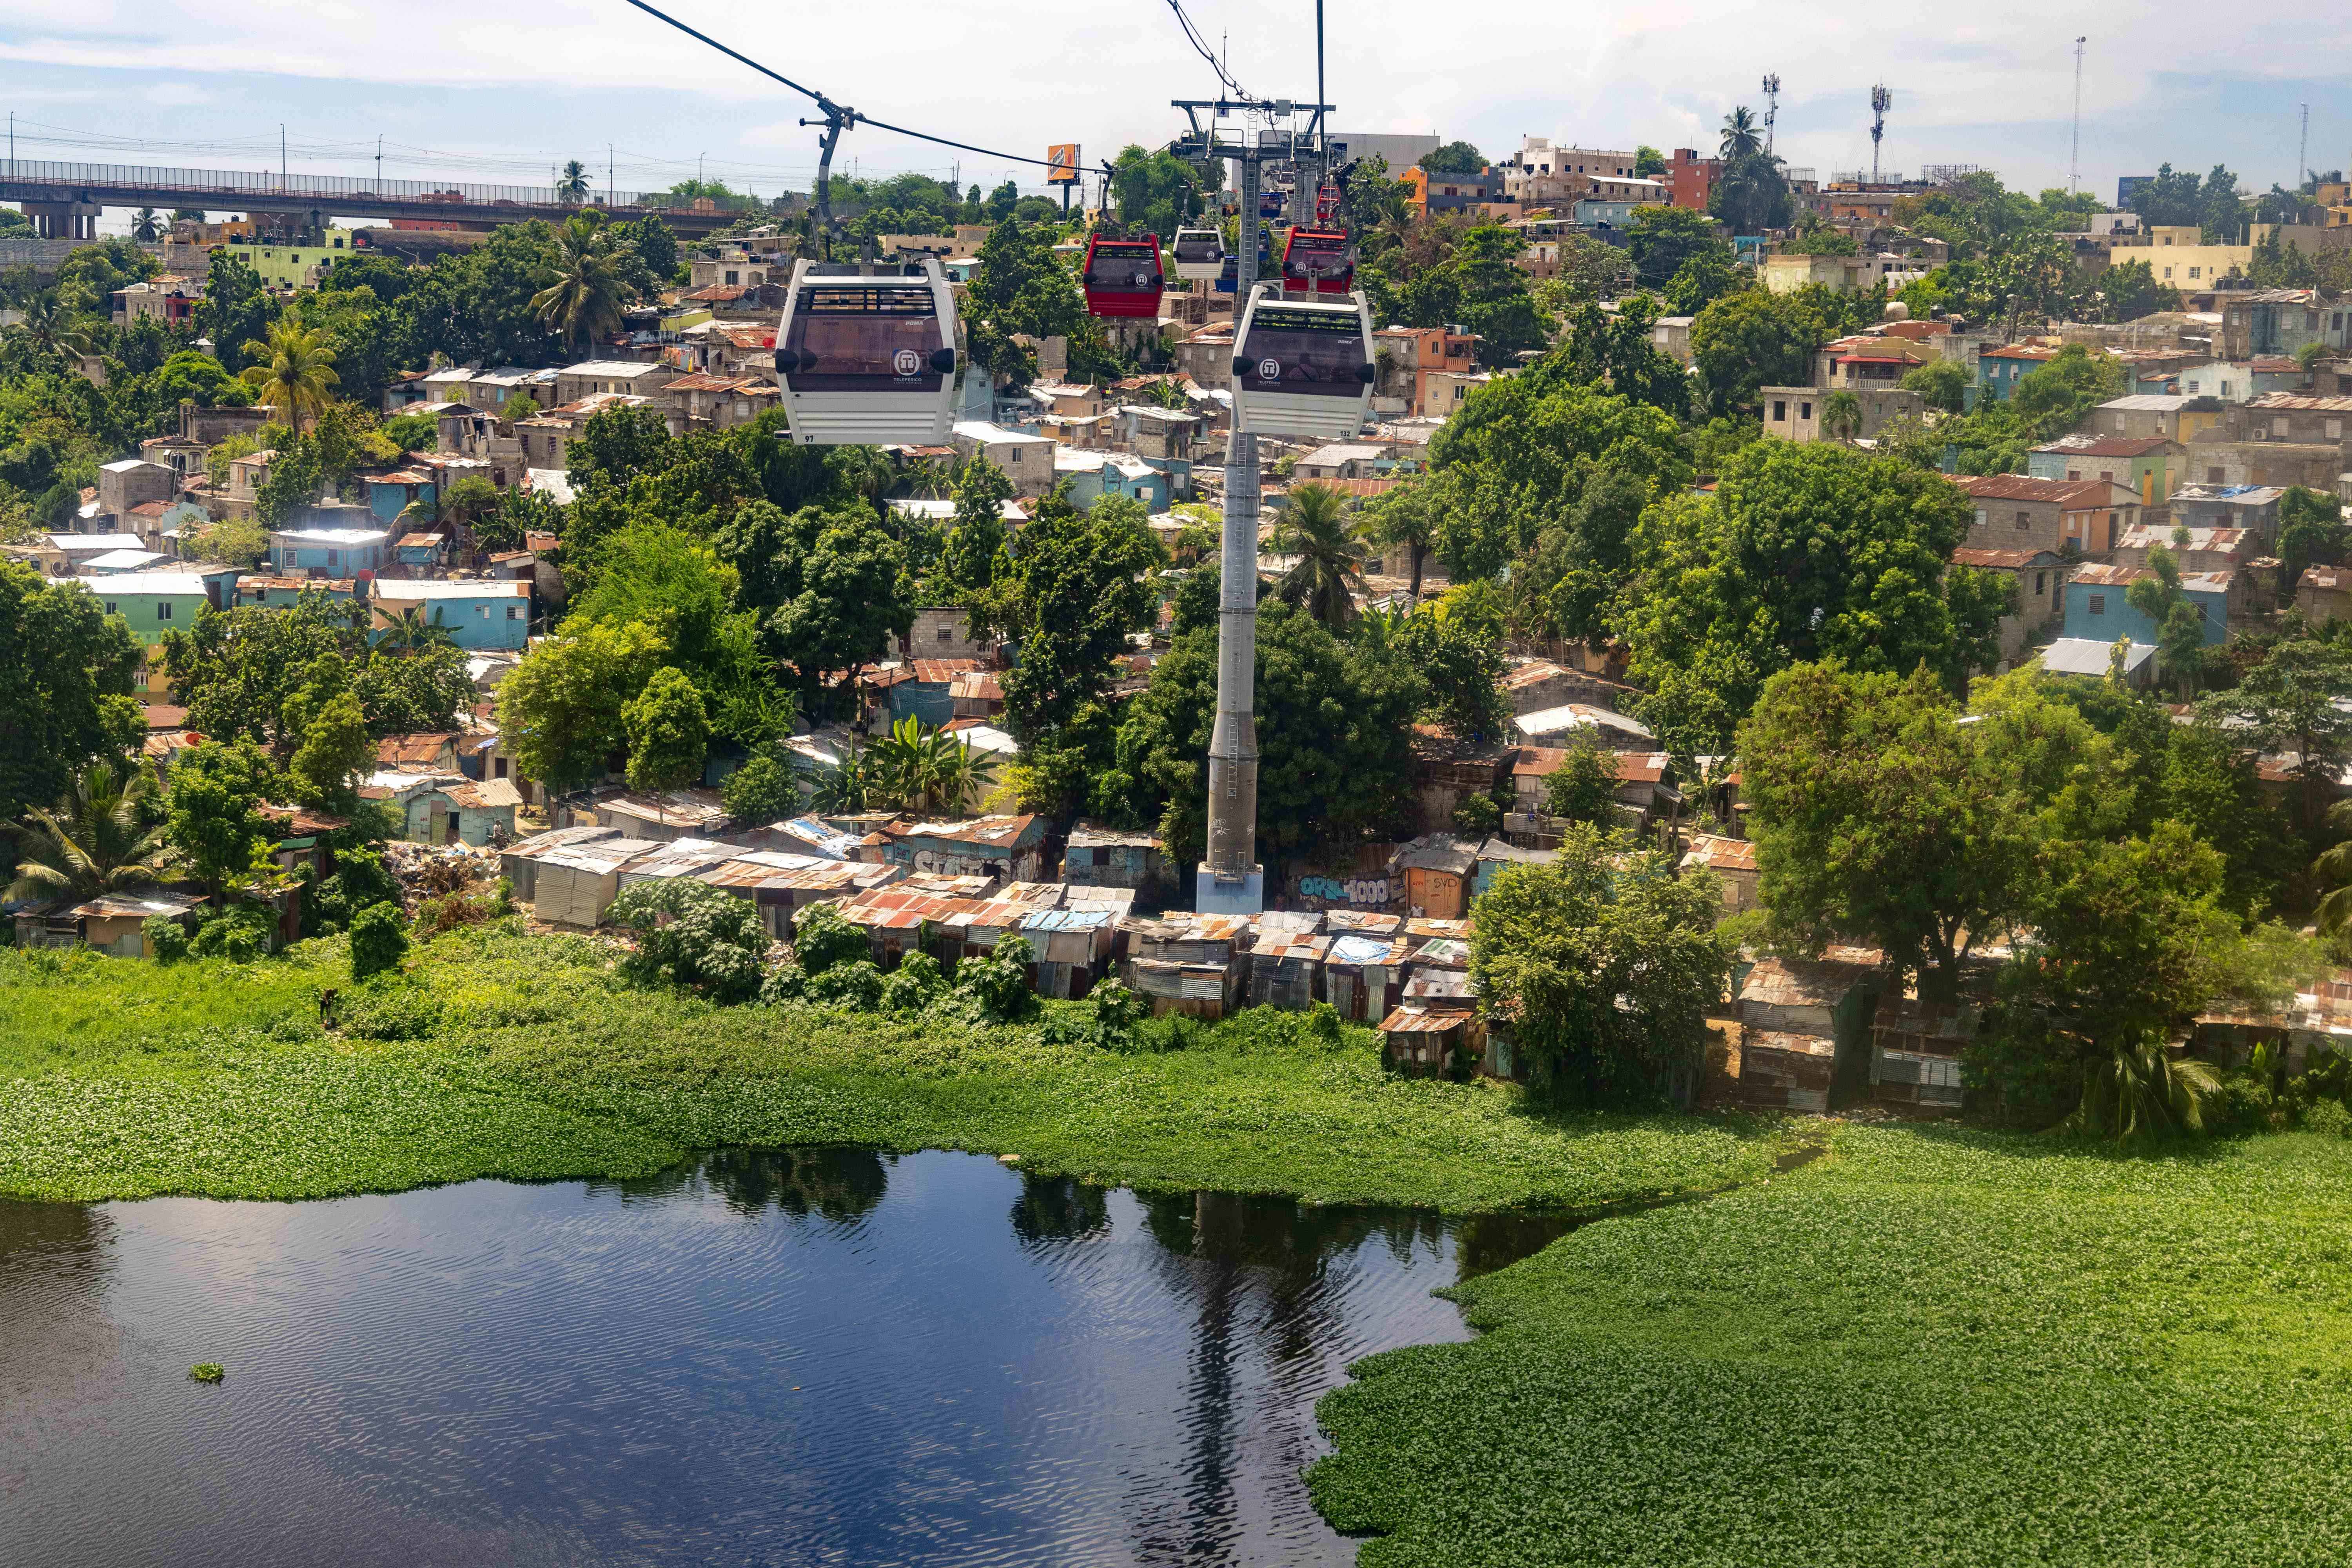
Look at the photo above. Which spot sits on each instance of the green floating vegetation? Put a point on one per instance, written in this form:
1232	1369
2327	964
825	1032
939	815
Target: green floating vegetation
1931	1346
207	1372
501	1054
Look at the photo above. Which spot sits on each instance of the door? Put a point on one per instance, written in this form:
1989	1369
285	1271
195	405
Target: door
1342	987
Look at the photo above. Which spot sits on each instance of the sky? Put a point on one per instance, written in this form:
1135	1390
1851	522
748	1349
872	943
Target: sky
499	94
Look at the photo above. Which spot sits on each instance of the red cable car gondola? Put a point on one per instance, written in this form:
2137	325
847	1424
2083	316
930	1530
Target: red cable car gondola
1123	278
1318	261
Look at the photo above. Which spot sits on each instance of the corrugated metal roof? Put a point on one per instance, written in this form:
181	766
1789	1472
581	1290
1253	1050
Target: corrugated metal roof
138	906
992	832
1367	922
1067	920
1721	854
2076	493
1427	1016
1367	950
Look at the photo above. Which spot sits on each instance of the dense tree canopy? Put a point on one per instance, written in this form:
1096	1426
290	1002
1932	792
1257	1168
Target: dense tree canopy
1804	551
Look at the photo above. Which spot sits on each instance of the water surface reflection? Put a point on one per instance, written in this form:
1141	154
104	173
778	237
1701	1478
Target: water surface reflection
805	1356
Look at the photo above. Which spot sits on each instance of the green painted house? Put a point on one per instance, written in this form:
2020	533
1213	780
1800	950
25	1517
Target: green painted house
153	603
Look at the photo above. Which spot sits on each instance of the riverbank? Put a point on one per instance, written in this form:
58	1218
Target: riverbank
1929	1346
506	1054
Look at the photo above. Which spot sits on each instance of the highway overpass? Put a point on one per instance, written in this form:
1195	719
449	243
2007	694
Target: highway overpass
64	199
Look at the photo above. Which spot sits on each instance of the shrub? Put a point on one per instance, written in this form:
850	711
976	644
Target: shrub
856	985
392	1010
241	933
1108	1022
761	790
822	938
997	985
166	938
708	940
379	940
914	985
788	981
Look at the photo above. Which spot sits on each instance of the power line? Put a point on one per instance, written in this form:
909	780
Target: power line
1193	36
833	111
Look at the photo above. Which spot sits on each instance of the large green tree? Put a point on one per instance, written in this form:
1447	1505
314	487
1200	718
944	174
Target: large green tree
1332	771
1803	553
1755	339
62	659
1603	965
1083	584
1878	815
560	711
1663	237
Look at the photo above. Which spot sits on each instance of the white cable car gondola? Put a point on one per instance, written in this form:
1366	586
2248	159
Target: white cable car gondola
1303	367
867	361
1200	254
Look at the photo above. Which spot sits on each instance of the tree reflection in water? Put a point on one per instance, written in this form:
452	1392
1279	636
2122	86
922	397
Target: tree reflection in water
834	1182
1059	1208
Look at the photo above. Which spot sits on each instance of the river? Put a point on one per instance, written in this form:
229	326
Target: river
796	1357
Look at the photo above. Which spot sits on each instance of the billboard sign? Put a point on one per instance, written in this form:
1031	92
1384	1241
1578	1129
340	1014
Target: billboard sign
1064	157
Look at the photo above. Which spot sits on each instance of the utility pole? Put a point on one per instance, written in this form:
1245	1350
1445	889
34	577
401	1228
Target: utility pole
2074	151
2303	151
379	161
609	198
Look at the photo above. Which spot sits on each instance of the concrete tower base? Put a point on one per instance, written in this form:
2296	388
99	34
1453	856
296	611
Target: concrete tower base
1245	897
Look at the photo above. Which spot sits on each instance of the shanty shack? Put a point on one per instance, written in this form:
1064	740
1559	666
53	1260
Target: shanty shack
661	815
1195	965
1363	969
1010	849
575	883
1286	961
518	861
2314	1022
1733	860
1915	1052
1073	949
898	920
1105	857
1436	872
781	884
1432	1038
1800	1021
114	922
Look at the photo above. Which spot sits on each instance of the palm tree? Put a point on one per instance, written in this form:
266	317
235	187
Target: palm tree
2333	870
2138	1087
584	300
90	843
927	769
967	774
1741	139
929	477
51	328
294	373
409	632
1842	417
1330	566
146	226
571	186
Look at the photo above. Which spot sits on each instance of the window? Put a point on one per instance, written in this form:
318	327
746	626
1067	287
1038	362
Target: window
2074	473
164	610
2098	604
334	557
1804	411
946	634
733	277
497	767
1980	517
483	610
2024	520
1780	412
514	611
2037	582
2192	272
2108	475
2212	476
110	609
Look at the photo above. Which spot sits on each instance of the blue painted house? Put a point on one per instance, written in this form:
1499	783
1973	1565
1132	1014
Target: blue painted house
391	494
2098	607
1011	848
329	552
2000	370
480	616
1094	475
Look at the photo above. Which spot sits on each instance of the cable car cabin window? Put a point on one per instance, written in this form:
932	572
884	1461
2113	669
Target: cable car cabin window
1314	352
1200	247
864	339
1124	267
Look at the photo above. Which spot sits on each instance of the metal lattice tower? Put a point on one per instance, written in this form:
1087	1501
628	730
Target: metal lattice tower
1772	107
1881	100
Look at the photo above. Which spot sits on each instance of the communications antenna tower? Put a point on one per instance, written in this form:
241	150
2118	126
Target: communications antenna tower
2074	151
1772	107
1881	100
